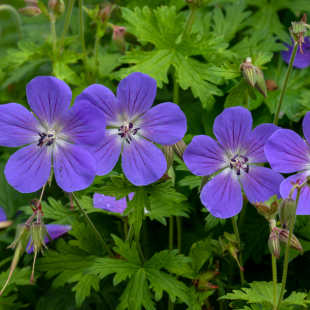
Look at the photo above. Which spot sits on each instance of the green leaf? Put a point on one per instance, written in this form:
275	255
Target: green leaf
212	221
227	70
200	252
83	287
261	58
107	63
65	264
160	210
192	181
55	211
239	94
198	298
163	27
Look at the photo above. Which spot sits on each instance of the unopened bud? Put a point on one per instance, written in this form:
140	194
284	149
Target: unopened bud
274	245
21	237
294	244
260	84
248	71
119	38
203	286
30	11
31	2
57	7
105	13
38	233
169	154
262	208
298	31
274	207
287	211
208	275
179	148
233	252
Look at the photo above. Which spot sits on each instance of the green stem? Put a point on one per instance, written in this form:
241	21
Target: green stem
125	229
274	279
171	233
179	229
130	234
54	35
96	47
288	72
175	90
247	105
67	21
17	20
287	251
190	21
92	226
234	222
139	248
82	32
242	218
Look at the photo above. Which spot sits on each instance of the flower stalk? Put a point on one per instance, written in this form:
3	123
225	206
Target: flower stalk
17	20
82	32
88	220
288	72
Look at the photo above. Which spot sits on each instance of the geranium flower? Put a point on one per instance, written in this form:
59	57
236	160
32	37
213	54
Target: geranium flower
233	157
55	231
110	203
3	219
301	61
54	133
132	125
287	152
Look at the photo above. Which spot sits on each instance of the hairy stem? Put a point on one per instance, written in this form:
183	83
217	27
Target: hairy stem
274	279
247	105
171	233
88	220
190	21
179	229
17	20
287	252
139	248
175	90
54	35
288	72
67	21
234	222
96	47
82	32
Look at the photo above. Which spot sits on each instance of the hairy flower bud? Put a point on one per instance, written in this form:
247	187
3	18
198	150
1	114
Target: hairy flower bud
30	11
179	148
169	154
294	244
260	84
274	245
119	38
233	252
208	275
262	208
274	207
203	286
298	31
21	237
38	233
287	211
249	72
57	7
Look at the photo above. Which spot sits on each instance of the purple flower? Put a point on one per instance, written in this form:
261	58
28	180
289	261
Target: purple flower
287	152
54	133
3	217
233	158
110	203
301	60
54	231
133	125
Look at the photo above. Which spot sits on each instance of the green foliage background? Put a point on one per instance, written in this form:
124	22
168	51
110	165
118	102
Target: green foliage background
197	69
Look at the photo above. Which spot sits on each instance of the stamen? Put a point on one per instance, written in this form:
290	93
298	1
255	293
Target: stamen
130	125
247	169
40	135
245	158
127	141
238	171
50	135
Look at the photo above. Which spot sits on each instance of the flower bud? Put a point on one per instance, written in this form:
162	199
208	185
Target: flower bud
294	244
203	286
287	211
262	208
179	148
298	31
208	275
233	252
249	72
38	233
274	207
30	11
204	181
274	245
119	38
169	154
57	7
31	2
21	237
260	84
105	13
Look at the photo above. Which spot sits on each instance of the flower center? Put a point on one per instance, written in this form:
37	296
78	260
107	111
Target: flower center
46	139
126	131
239	162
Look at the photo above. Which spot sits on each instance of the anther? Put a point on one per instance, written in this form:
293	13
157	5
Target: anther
238	172
231	166
127	141
50	135
40	135
130	125
247	169
245	158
